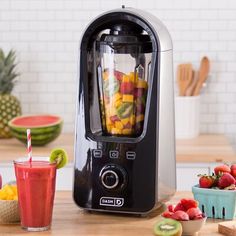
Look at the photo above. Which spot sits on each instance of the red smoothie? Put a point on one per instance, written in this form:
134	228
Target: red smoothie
36	188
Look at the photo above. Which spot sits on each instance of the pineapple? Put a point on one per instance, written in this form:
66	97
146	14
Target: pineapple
9	105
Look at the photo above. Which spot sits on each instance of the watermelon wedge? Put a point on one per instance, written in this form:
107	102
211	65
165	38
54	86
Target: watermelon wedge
44	128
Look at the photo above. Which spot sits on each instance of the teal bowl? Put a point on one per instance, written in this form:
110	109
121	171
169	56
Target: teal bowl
215	203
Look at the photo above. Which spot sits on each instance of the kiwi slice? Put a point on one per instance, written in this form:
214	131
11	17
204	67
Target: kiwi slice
168	227
59	156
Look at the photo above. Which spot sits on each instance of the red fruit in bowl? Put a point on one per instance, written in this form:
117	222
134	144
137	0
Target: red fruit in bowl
180	215
194	213
226	180
198	217
179	207
171	208
222	169
206	181
0	181
233	170
167	214
189	203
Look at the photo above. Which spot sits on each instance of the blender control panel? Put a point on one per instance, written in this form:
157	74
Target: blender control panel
129	155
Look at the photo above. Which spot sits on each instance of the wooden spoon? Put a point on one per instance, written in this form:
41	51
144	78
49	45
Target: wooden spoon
203	73
184	77
190	89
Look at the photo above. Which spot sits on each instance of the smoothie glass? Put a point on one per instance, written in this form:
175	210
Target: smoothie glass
36	189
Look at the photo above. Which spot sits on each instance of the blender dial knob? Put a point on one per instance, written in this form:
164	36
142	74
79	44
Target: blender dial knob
109	179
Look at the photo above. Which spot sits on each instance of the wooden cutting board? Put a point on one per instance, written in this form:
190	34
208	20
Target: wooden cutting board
227	228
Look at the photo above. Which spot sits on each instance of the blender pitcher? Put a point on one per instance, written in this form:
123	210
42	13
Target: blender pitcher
123	76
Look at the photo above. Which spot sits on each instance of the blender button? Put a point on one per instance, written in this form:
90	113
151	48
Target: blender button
97	153
130	155
113	154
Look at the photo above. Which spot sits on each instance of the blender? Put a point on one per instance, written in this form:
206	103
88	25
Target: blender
124	137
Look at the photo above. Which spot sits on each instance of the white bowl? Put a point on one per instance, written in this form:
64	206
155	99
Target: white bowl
191	227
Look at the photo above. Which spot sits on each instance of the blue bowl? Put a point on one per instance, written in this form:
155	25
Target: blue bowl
216	203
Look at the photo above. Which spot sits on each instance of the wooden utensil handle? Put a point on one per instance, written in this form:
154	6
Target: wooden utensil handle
190	89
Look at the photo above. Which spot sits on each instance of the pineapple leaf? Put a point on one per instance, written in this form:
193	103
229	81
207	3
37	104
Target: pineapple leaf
7	71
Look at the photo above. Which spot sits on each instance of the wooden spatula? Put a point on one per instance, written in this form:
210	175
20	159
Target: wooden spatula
184	77
191	87
203	73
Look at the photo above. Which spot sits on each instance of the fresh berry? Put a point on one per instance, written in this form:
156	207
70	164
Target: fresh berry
233	170
226	180
118	75
206	181
179	207
222	169
167	214
198	217
194	213
180	215
171	208
188	203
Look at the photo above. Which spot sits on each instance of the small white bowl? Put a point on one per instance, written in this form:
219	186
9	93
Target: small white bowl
191	227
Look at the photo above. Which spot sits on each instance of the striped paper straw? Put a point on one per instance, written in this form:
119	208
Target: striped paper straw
29	146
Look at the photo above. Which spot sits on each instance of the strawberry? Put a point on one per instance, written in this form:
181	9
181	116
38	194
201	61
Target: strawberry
167	214
226	180
198	217
180	215
206	181
233	170
118	75
189	203
171	208
194	213
222	169
179	207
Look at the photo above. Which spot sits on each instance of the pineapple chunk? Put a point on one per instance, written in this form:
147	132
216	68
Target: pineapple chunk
125	120
126	131
128	98
8	192
119	125
115	131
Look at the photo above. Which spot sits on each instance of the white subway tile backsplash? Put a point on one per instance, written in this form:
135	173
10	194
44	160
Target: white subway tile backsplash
46	35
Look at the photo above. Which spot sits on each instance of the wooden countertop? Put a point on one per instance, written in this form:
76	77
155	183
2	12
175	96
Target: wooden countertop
205	148
68	219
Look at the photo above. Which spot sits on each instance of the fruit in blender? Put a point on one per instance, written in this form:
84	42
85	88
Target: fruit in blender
168	227
123	103
206	181
226	180
222	169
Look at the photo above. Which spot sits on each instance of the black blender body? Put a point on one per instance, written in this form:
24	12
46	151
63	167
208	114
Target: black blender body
124	151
